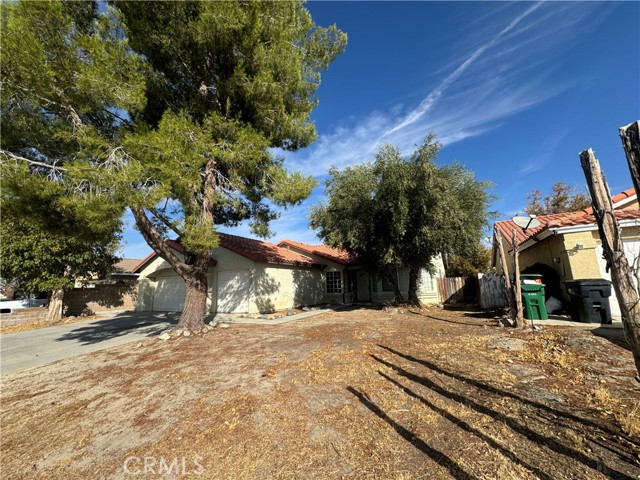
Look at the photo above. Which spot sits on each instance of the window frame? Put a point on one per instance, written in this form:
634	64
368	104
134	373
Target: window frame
333	282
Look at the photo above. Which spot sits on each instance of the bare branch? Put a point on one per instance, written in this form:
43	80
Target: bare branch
12	156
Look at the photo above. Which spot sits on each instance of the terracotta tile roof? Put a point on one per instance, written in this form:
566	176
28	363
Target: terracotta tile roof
138	266
334	254
261	251
256	250
568	219
629	192
126	265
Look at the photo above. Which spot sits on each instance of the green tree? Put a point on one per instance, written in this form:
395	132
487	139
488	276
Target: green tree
47	243
563	198
225	83
65	71
398	211
469	265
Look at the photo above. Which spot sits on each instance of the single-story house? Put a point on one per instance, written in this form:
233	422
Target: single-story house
254	276
360	286
567	246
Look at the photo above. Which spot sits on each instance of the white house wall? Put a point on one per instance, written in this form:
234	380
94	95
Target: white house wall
330	267
283	287
227	261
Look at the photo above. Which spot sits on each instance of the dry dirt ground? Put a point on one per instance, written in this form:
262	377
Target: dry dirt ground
360	394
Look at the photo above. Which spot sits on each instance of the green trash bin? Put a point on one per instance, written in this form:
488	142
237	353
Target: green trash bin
533	301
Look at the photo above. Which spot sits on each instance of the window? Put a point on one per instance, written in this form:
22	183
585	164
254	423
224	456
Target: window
334	282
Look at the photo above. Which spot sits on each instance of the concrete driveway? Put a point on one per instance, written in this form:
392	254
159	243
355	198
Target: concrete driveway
34	348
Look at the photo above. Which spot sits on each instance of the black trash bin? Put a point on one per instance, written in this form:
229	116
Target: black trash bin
590	300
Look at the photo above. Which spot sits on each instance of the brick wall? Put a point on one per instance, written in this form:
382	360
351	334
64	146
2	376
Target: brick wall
24	315
102	298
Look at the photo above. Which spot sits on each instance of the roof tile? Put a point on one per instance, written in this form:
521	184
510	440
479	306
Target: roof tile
261	251
334	254
568	219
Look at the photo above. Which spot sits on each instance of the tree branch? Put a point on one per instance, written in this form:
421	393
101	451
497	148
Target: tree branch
13	156
156	242
166	221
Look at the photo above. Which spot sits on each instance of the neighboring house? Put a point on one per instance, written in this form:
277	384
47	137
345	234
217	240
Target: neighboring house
567	246
124	271
253	276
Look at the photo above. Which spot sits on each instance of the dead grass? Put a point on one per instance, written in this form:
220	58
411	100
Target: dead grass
23	327
355	395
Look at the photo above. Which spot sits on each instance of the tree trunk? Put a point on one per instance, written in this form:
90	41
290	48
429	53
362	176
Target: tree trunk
195	300
518	291
613	249
414	275
513	310
392	278
54	313
630	136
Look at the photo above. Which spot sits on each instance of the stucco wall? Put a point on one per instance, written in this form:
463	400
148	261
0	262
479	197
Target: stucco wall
281	287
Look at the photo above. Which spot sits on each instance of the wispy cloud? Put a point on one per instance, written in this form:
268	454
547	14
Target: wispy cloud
437	92
508	73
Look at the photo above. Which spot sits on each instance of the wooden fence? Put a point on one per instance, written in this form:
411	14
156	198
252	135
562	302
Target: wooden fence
484	290
459	290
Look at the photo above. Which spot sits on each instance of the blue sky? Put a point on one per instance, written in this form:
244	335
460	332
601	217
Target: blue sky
514	91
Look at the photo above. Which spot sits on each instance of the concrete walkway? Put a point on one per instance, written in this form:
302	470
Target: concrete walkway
560	321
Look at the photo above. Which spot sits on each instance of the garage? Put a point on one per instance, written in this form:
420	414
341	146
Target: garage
233	292
169	294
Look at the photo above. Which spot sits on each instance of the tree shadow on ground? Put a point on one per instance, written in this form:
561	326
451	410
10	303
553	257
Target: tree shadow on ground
614	335
484	400
456	470
489	314
147	324
446	320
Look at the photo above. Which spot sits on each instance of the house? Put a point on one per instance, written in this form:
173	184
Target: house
254	276
567	246
124	271
360	286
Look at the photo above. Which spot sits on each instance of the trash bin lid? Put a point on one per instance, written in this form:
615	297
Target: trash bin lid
590	282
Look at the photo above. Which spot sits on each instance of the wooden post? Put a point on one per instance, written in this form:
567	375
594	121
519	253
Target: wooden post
513	311
613	249
518	290
630	136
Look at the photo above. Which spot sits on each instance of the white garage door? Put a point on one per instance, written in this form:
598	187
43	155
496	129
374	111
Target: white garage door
169	294
233	292
632	252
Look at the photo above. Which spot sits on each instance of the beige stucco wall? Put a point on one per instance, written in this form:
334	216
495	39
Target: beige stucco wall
227	261
330	266
281	287
629	206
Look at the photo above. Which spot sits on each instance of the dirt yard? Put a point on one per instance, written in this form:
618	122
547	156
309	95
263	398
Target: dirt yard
364	394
